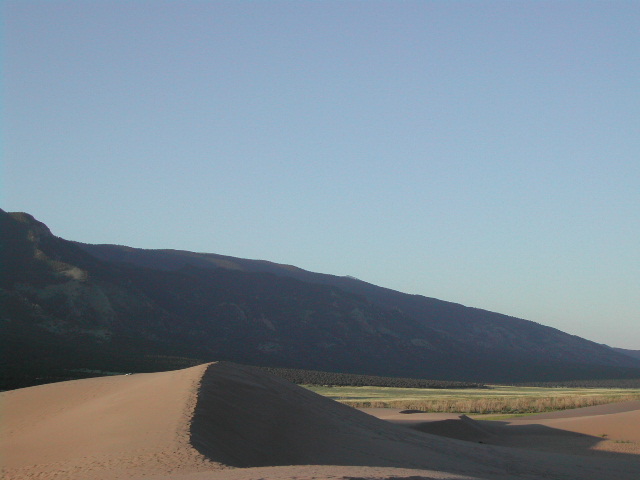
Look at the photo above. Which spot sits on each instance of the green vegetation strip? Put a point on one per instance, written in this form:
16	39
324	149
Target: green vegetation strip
314	377
495	400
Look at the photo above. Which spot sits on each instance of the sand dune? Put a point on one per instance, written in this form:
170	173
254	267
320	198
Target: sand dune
609	428
597	430
462	428
224	421
119	426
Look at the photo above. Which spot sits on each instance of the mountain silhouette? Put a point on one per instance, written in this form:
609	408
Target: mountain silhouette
71	309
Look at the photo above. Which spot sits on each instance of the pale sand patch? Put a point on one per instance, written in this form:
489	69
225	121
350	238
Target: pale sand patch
320	472
200	423
613	428
118	425
617	425
394	415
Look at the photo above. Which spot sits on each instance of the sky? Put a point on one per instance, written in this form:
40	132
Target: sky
481	152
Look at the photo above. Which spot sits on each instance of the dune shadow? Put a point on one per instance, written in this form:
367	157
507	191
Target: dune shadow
247	418
463	428
533	437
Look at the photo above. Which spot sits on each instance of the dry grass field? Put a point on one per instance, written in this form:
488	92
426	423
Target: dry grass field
497	399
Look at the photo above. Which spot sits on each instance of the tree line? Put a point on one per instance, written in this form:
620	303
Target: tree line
597	383
313	377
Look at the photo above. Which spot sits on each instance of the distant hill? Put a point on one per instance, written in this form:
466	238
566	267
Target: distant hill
70	309
630	353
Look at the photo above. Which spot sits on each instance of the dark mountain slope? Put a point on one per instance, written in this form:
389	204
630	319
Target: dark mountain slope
67	306
630	353
483	333
63	308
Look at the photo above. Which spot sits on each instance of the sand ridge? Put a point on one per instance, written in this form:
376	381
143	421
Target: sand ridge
118	425
234	422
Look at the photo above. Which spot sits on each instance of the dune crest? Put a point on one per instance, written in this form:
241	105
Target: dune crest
121	426
227	421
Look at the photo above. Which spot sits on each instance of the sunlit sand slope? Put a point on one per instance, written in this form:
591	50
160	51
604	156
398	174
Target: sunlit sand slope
611	428
108	427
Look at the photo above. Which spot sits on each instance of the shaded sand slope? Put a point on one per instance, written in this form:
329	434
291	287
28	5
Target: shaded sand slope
462	428
245	418
201	422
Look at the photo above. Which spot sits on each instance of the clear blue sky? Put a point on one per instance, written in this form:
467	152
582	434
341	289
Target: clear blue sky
486	153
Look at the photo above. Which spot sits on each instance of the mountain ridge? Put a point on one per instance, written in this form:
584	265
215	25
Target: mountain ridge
413	304
69	306
626	351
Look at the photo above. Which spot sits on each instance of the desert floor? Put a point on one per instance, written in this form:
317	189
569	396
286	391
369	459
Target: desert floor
225	421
